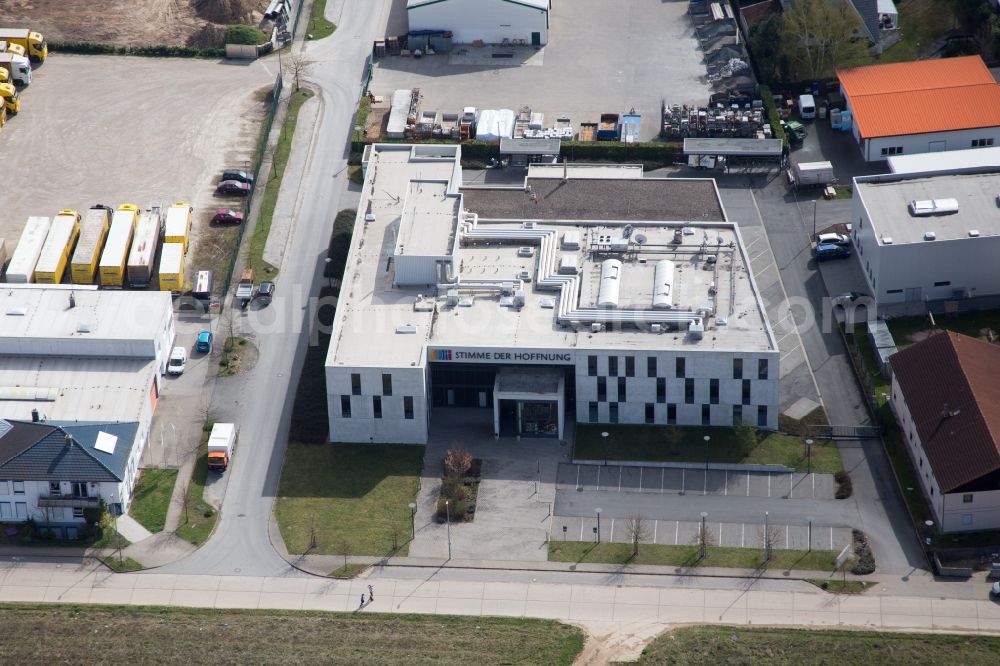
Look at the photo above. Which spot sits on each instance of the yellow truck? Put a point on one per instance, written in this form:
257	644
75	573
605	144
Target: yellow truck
58	247
11	98
11	47
93	232
172	268
33	43
112	266
177	228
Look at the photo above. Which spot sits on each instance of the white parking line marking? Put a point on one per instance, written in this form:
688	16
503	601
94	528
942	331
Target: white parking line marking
683	477
720	534
786	537
598	478
640	479
621	470
581	530
655	523
578	477
791	484
677	529
814	484
725	490
768	482
743	536
612	538
831	538
748	484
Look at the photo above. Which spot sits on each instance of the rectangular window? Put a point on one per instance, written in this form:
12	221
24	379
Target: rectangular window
762	416
621	389
651	366
689	391
706	415
671	414
737	368
55	488
661	389
345	406
737	415
78	512
377	406
613	412
762	368
713	391
19	487
649	412
981	143
630	366
4	487
945	283
602	389
966	519
679	366
592	412
612	366
967	498
407	407
746	392
592	366
894	291
355	384
386	384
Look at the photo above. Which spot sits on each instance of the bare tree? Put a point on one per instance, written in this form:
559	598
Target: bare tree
704	539
818	36
341	545
637	531
457	461
184	482
769	539
299	66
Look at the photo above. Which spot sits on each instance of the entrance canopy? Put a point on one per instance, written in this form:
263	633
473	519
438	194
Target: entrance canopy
758	149
529	402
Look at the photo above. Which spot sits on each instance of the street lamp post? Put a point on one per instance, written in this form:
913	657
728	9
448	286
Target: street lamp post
118	536
815	201
809	462
930	526
810	519
767	541
704	537
413	519
598	511
707	439
604	445
447	517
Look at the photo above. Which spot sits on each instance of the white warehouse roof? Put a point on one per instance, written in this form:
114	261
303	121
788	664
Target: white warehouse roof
534	4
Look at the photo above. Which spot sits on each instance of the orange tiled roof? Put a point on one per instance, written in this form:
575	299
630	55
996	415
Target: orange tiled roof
921	97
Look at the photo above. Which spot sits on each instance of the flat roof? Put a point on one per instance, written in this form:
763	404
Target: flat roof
428	219
529	146
887	199
734	147
381	325
948	160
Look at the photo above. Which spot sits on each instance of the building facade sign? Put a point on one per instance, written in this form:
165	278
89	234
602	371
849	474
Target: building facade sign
494	355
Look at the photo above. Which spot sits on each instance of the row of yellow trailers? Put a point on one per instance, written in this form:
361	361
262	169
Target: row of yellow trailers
114	248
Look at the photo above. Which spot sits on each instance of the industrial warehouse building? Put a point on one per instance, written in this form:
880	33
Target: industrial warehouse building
589	294
80	373
487	21
924	106
928	239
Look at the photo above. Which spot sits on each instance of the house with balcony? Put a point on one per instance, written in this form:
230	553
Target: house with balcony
52	472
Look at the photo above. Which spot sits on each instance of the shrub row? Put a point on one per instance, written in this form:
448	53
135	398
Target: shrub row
845	487
244	34
866	558
93	48
777	131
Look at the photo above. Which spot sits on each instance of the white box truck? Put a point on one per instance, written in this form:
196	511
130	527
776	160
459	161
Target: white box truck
22	264
812	174
221	445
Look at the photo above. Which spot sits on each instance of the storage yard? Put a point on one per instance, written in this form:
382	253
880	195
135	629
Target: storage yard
582	73
187	135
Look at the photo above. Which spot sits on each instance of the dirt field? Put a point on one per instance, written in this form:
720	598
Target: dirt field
103	129
127	22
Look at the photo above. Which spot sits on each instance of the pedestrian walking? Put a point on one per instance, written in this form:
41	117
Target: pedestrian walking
362	600
371	594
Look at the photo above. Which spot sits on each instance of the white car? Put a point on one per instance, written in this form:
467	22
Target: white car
178	359
995	590
832	239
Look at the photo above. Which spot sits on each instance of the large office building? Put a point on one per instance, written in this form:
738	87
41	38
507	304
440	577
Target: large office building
585	294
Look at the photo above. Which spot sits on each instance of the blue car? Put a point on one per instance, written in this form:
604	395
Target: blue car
830	251
204	341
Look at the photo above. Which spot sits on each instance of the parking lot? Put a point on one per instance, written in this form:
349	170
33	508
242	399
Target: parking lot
103	129
602	57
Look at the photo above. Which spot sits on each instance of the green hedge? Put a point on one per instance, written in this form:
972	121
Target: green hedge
777	131
244	34
92	48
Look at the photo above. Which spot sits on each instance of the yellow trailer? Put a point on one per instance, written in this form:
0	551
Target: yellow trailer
112	266
58	247
11	97
33	43
177	228
172	268
93	232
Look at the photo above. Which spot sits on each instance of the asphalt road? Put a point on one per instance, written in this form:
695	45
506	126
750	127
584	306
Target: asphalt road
240	544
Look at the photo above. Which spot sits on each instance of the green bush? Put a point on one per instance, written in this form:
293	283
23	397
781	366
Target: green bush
244	34
845	487
866	558
93	48
777	131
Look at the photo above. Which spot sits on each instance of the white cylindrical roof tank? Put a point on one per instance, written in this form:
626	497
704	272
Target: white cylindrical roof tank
663	283
607	295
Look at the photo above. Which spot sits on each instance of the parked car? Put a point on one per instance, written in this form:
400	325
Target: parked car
829	251
795	131
995	590
233	188
178	359
832	239
227	216
237	174
204	341
265	291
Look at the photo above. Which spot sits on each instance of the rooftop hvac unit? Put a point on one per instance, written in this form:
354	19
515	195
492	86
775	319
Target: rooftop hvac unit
466	301
656	328
607	294
595	328
529	225
567	265
525	251
507	288
453	297
519	298
929	235
696	330
570	240
973	233
925	207
406	329
886	240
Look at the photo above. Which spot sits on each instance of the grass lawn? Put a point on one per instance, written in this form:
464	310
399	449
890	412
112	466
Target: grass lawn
653	443
921	22
356	174
739	645
152	497
198	517
352	495
144	634
907	330
835	586
125	565
232	356
319	27
261	269
687	556
349	570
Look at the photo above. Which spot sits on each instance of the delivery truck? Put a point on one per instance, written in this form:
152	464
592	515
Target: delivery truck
177	228
22	263
221	446
11	47
172	268
144	247
11	98
93	233
35	46
58	247
18	68
811	174
111	269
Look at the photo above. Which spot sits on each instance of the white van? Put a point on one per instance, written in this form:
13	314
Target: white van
807	107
